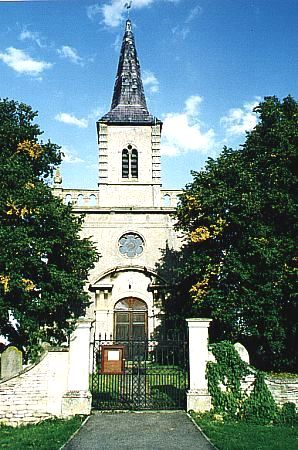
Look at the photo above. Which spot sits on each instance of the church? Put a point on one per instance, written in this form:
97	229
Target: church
128	216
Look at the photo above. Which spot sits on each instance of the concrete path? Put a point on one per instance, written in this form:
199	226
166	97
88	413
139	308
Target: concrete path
139	431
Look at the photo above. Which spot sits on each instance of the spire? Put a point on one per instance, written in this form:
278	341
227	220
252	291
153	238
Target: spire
128	103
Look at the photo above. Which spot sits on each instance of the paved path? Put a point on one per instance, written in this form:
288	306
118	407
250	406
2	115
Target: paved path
139	431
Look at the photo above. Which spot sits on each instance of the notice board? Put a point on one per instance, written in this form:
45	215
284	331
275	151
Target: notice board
112	359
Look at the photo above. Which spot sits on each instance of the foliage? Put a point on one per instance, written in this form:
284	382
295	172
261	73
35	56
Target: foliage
231	402
288	414
43	261
47	435
283	375
260	406
237	264
247	436
224	380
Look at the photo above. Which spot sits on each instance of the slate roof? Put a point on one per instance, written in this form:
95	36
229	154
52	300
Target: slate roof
128	103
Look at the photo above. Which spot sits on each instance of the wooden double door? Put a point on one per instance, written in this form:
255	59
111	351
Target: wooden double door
130	319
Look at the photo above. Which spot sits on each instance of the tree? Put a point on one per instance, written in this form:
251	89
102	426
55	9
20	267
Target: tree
238	260
43	262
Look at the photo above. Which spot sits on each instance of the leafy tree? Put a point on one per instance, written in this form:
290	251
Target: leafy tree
238	261
43	262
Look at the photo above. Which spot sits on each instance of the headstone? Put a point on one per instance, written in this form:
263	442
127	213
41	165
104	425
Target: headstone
242	352
11	362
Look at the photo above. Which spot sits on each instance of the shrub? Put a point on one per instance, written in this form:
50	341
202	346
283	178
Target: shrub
288	414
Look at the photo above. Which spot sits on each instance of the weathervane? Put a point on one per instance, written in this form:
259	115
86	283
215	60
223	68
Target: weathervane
128	6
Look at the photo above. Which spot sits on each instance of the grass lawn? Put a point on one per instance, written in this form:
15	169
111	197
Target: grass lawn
48	435
244	436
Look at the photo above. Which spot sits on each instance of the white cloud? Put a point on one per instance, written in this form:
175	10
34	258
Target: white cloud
240	120
192	104
70	119
32	36
93	11
150	80
21	62
114	11
183	132
70	156
193	13
117	43
181	32
70	53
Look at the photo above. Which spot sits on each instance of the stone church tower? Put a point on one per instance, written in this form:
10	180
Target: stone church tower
129	215
129	139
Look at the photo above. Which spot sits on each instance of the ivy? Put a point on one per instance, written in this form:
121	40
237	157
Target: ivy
288	414
224	380
260	406
231	402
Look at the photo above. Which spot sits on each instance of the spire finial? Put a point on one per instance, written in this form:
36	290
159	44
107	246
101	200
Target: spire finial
128	25
128	6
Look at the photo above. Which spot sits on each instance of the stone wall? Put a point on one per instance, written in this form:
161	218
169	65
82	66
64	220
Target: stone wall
283	390
36	392
56	386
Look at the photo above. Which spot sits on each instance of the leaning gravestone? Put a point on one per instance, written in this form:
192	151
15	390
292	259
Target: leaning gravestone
242	352
11	362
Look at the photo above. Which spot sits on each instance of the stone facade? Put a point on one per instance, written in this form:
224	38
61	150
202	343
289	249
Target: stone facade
117	276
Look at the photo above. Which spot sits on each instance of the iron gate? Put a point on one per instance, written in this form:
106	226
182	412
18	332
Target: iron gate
154	374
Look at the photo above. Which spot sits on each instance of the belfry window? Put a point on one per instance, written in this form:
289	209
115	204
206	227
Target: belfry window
130	162
134	164
125	164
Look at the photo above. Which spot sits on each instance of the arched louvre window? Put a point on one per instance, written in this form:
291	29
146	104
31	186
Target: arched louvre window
130	164
125	163
134	164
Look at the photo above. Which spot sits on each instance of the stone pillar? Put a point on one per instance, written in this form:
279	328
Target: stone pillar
198	398
77	399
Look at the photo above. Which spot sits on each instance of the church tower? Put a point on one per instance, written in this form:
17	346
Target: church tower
129	139
128	216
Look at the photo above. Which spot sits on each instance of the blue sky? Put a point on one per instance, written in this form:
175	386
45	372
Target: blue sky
205	64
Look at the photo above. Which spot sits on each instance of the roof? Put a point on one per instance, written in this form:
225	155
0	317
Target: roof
129	102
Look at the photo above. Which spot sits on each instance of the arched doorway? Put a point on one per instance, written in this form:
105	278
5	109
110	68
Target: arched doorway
130	319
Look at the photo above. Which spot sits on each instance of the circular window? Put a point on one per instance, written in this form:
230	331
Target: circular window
131	245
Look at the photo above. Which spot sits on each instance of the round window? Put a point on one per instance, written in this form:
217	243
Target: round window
131	245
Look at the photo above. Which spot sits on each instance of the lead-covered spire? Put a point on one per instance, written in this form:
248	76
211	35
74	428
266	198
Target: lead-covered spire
128	103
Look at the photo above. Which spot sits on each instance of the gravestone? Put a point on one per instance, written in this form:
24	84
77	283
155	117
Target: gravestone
11	362
242	352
